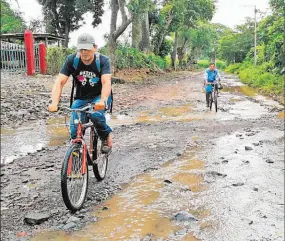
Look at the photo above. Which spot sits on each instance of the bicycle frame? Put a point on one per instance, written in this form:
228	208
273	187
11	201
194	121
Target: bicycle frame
79	139
87	155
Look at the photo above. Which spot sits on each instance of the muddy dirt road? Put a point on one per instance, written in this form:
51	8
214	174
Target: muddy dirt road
177	171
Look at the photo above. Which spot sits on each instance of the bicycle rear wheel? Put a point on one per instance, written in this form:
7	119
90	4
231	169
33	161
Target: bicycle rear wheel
100	160
216	100
74	183
211	100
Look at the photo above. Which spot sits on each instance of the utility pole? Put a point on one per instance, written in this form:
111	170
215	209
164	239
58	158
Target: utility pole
255	35
255	30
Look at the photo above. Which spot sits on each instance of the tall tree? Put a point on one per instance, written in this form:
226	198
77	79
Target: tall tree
186	15
117	31
277	6
37	25
145	36
234	47
161	27
180	14
140	27
11	20
65	16
271	36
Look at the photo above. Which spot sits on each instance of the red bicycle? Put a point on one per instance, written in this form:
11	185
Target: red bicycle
84	151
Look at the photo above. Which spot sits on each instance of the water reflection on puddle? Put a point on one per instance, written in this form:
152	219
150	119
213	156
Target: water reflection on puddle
145	207
170	113
280	115
19	142
55	132
241	89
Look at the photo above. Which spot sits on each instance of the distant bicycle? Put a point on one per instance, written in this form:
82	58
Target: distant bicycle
212	94
80	155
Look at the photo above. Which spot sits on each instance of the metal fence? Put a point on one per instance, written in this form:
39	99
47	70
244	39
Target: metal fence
37	58
13	58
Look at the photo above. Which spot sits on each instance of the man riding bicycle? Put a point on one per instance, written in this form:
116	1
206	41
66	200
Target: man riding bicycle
93	85
212	75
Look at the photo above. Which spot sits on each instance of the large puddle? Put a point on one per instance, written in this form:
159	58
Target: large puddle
145	207
19	142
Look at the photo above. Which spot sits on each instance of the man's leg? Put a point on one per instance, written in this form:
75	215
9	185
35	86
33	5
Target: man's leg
216	88
207	98
73	127
99	120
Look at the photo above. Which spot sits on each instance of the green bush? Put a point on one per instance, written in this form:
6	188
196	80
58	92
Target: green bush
233	68
56	57
125	58
259	76
221	64
203	63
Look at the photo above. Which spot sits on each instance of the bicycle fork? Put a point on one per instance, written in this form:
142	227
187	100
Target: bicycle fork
84	157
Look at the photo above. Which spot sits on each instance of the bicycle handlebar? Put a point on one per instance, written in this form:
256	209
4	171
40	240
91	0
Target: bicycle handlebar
83	109
87	109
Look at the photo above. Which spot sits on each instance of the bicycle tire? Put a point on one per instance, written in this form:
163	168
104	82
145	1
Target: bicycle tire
99	159
216	100
211	100
64	185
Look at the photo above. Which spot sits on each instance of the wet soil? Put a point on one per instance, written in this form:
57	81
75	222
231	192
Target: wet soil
177	171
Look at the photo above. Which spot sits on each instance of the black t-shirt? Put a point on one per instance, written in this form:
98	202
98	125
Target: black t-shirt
87	77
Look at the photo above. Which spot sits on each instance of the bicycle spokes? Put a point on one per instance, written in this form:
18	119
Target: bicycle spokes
75	177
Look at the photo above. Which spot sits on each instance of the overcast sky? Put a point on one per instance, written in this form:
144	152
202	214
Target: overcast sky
229	13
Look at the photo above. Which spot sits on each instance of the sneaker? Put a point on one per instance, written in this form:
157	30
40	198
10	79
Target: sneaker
105	148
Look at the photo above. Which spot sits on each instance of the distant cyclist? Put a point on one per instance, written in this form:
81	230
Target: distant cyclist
212	75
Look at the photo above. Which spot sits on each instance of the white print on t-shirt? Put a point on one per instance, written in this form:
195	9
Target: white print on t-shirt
85	76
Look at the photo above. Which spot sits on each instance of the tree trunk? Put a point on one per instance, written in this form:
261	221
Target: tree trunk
181	52
66	35
114	15
174	52
55	16
115	32
136	31
162	34
112	53
112	41
180	55
213	59
145	41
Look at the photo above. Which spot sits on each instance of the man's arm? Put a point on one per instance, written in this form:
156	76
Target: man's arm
60	81
106	86
205	76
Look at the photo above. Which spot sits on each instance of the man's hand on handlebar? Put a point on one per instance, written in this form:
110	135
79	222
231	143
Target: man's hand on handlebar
101	105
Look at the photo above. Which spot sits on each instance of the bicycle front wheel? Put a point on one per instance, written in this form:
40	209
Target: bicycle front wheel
211	100
74	182
100	160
